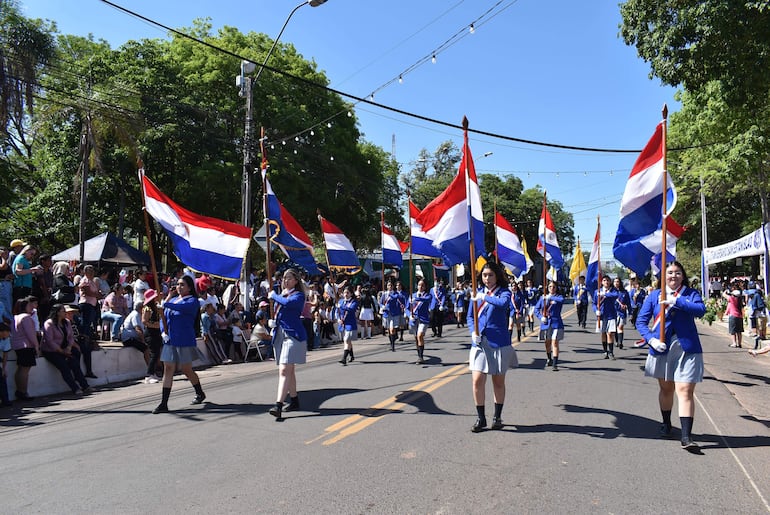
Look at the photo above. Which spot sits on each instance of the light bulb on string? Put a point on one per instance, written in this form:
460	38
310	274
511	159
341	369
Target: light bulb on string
329	125
295	151
331	158
296	138
350	114
272	147
433	59
283	142
585	174
472	29
312	133
400	79
371	97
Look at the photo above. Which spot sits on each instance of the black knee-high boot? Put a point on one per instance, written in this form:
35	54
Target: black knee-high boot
344	359
163	406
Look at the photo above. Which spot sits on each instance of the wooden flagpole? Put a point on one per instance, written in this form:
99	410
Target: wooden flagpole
545	250
494	215
332	279
266	219
411	249
150	243
664	230
472	247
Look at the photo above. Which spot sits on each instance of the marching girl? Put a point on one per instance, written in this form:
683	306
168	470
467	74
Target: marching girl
622	306
532	294
518	311
606	315
677	362
348	307
491	352
289	339
459	301
392	310
420	315
548	309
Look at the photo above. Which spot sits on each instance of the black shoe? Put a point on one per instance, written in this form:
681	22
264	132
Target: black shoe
479	426
689	445
620	346
664	431
420	361
606	355
555	368
612	356
275	411
549	363
352	358
23	396
91	375
344	363
497	423
162	408
199	399
292	405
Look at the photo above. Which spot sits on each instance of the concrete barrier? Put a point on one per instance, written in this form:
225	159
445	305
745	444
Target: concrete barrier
113	363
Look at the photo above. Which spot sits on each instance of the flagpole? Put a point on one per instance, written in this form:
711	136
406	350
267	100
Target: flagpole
494	215
382	247
326	254
472	248
265	211
150	245
598	267
664	230
545	250
411	249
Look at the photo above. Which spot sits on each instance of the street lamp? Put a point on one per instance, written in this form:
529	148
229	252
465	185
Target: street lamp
245	83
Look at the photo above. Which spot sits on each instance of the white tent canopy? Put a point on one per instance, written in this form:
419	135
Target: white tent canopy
105	248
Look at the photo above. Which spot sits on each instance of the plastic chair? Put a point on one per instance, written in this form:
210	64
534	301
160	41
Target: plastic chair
251	344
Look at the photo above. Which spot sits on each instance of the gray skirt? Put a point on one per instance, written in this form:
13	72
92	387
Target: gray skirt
675	365
494	361
288	351
180	355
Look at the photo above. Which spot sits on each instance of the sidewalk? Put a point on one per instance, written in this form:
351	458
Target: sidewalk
745	377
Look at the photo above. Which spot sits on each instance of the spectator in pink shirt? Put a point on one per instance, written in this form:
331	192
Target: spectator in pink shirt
24	342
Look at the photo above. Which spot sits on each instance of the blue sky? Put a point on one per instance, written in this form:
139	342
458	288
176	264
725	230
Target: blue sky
551	71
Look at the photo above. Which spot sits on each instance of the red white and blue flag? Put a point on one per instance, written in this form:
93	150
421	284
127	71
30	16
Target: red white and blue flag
594	273
339	250
641	209
653	242
509	250
391	248
284	230
451	218
209	245
547	243
422	244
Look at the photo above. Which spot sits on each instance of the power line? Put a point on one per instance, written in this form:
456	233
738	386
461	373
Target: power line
372	102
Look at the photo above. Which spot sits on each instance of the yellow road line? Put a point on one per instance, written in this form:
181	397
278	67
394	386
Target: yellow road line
356	423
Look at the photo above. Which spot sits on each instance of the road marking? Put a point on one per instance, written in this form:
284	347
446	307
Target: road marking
355	423
735	456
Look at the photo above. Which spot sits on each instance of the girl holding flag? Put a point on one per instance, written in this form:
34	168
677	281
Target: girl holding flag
420	314
289	339
491	352
548	309
518	309
677	362
621	305
348	327
606	315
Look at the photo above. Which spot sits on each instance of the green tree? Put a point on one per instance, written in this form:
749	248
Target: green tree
693	42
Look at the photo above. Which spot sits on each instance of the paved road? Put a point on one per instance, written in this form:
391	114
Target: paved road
385	435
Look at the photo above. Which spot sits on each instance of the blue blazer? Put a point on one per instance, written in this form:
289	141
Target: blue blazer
518	303
680	319
394	303
348	310
624	299
493	318
607	307
420	307
181	313
555	303
437	298
288	315
580	292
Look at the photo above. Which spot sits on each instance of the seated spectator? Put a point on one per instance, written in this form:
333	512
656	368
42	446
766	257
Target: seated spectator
208	330
61	350
132	334
223	331
261	336
237	335
115	309
5	348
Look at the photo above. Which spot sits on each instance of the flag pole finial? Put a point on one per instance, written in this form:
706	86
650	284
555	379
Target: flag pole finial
465	123
665	111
